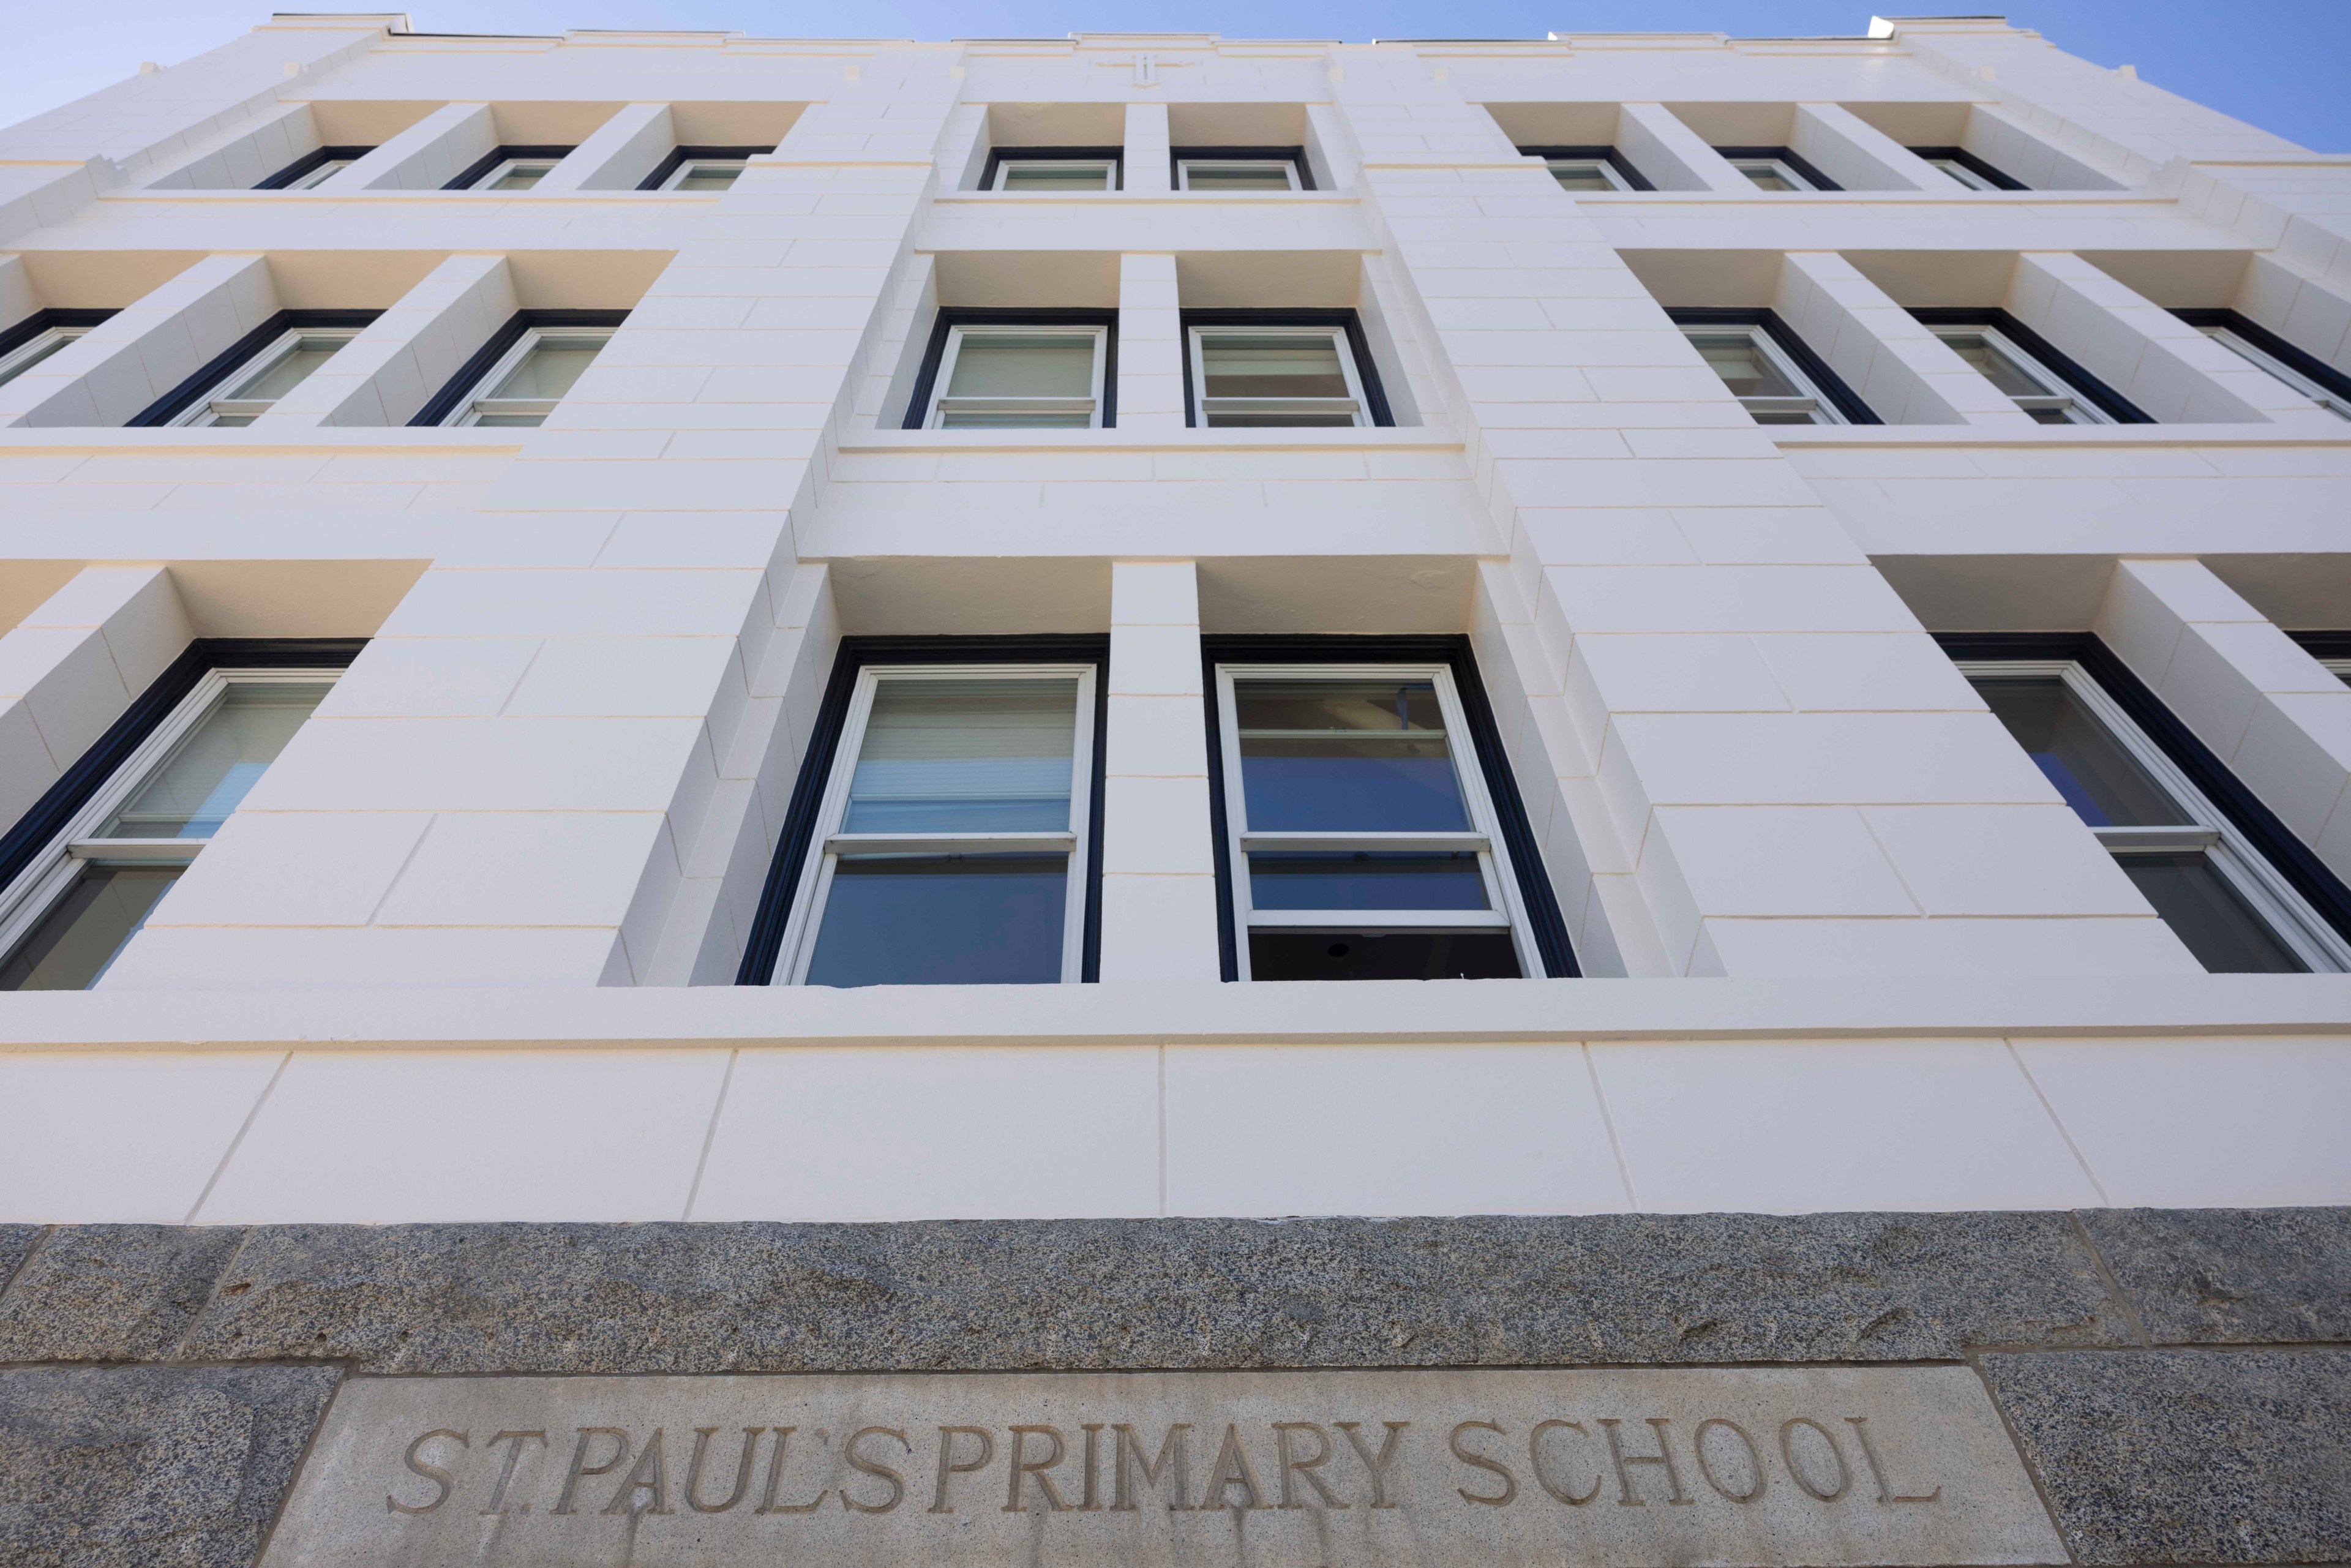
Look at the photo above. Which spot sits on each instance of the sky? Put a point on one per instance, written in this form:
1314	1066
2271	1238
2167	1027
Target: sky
2280	66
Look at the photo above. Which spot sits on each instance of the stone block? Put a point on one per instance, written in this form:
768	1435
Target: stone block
2230	1276
112	1292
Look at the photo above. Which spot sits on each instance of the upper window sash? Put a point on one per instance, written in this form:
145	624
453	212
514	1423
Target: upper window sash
1354	405
944	405
1504	909
484	405
1282	168
1571	172
515	175
232	402
2252	354
1761	171
2057	399
1806	403
831	841
33	350
1106	167
703	171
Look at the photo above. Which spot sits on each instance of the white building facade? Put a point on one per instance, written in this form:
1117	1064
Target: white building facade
1602	624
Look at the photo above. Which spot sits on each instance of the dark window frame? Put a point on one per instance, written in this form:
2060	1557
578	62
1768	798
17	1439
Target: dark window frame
919	406
100	762
1968	160
181	398
1789	156
1293	156
2116	406
2270	343
2327	643
763	947
440	404
1608	156
1545	926
1375	397
683	155
999	156
307	161
17	334
2287	854
498	155
1832	385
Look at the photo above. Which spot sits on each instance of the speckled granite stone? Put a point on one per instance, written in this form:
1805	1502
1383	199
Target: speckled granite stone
112	1292
2177	1456
2231	1276
16	1243
1155	1294
140	1465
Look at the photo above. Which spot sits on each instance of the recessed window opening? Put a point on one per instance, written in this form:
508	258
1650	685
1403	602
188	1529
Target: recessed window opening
39	346
1763	376
2035	388
1006	377
320	175
1271	375
1237	173
509	169
1968	168
67	915
704	170
951	841
314	168
1048	176
1582	174
2209	881
1776	168
252	388
1361	847
522	389
2242	344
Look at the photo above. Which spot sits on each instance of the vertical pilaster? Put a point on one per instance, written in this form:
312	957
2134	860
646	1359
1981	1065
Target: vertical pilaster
1857	155
1898	367
144	350
70	668
617	153
1150	345
425	157
393	368
1147	168
1671	154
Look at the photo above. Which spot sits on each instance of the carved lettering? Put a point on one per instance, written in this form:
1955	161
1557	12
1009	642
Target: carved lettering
1706	1466
433	1473
1885	1493
1675	1497
857	1461
1232	1470
1092	1503
1034	1469
1302	1468
651	1473
506	1472
1173	1449
1795	1468
581	1469
1377	1466
1509	1482
702	1436
768	1503
1543	1473
948	1466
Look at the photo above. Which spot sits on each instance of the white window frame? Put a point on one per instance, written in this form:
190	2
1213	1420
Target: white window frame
506	166
1962	173
36	349
830	844
1810	400
476	403
686	171
2339	668
46	879
1091	405
1506	911
1355	403
210	410
1606	169
1110	180
2261	358
1779	166
2060	394
2241	864
311	179
1289	167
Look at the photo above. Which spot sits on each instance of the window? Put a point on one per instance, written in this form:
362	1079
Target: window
523	371
252	387
314	169
1968	168
29	342
510	169
1776	168
1361	836
2208	878
1587	169
2307	374
2044	383
998	370
1229	171
89	864
1775	376
949	812
1267	370
709	169
1045	170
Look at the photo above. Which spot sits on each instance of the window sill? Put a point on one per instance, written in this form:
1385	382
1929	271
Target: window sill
1385	439
250	439
2106	436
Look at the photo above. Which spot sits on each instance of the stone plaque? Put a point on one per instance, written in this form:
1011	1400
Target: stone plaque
1322	1469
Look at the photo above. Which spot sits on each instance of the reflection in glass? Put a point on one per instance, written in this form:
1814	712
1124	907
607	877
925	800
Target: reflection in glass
320	175
519	176
1269	364
709	177
82	933
550	368
1022	365
966	757
1583	176
40	349
938	920
2098	779
1769	177
1237	176
2204	912
1382	955
1363	879
285	373
1346	757
1037	178
2000	368
1743	365
217	764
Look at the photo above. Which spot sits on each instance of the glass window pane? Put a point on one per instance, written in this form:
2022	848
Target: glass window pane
1271	364
1237	176
2204	912
1346	757
1037	177
550	368
1767	177
1581	177
1230	421
976	755
943	919
216	765
1999	368
34	353
520	177
511	420
1743	366
710	177
1365	880
1384	956
76	941
274	380
1024	364
2098	779
320	175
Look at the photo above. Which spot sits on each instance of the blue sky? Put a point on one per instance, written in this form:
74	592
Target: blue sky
2281	65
